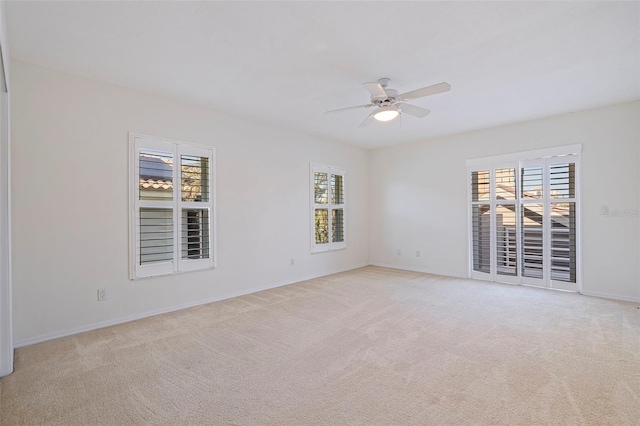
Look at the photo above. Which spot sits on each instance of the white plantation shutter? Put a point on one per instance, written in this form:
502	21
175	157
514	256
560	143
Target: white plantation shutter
562	212
172	207
524	219
481	221
505	196
337	202
195	234
156	235
328	208
533	260
532	214
506	240
481	232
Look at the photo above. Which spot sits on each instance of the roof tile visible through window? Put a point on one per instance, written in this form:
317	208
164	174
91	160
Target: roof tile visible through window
156	184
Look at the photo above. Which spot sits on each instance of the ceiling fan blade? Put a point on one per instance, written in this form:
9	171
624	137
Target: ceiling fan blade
425	91
376	90
348	108
367	121
414	110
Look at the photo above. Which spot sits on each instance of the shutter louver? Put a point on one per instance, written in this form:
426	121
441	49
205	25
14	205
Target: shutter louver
337	195
337	225
156	235
480	189
322	226
320	188
531	178
563	242
532	241
481	220
505	184
506	236
337	214
562	180
481	229
195	234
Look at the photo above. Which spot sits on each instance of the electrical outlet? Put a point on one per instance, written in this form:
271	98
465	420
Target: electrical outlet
417	253
399	252
293	261
102	294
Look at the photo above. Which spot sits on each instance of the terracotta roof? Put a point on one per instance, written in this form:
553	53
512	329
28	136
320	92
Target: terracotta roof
156	184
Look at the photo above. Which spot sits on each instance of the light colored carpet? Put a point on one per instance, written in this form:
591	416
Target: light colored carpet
372	346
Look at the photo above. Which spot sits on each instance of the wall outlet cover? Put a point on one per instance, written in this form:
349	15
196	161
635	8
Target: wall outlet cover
102	294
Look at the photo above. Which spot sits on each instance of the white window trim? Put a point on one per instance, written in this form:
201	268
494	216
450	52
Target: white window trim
330	246
547	155
178	265
557	151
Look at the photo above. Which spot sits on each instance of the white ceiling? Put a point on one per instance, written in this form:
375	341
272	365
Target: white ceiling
287	62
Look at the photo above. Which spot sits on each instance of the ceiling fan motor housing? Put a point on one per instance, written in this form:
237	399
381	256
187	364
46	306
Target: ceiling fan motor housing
389	99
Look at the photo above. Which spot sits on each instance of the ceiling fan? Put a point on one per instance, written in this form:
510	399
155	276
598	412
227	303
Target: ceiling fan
390	105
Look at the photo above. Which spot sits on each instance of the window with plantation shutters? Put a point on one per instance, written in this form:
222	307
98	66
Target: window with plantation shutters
172	210
328	208
523	218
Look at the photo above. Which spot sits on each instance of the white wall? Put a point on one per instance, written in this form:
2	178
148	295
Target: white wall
419	195
70	203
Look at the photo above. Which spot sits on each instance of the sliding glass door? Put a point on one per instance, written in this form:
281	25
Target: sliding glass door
524	222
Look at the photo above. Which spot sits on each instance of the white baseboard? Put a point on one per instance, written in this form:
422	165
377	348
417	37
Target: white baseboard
129	318
418	269
449	274
611	296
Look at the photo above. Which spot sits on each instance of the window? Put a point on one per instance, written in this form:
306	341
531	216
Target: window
328	208
172	213
523	218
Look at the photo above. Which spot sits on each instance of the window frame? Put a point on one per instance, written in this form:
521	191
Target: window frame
177	265
330	170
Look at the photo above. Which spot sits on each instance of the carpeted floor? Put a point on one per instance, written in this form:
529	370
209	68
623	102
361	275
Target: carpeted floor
372	346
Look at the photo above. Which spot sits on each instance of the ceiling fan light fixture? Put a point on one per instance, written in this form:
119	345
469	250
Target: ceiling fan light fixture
386	113
389	104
